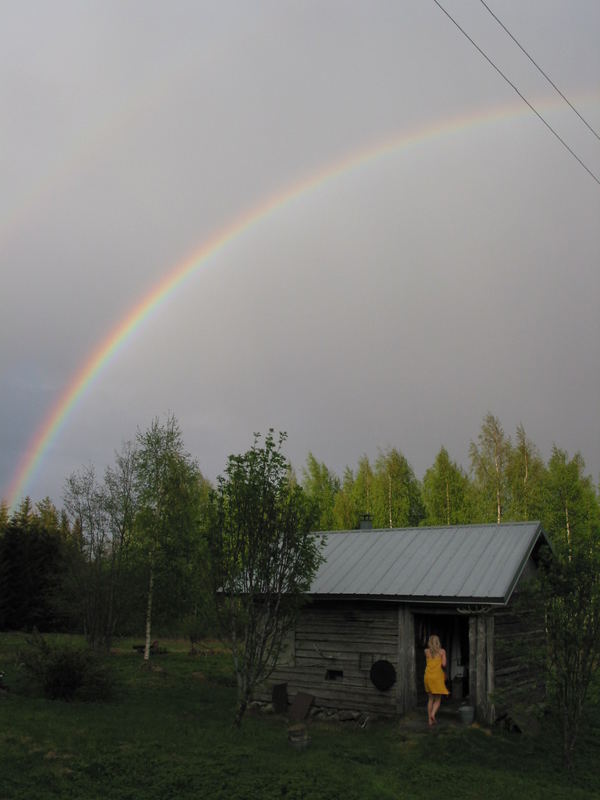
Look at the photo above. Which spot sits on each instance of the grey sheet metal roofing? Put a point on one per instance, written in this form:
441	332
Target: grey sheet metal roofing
454	564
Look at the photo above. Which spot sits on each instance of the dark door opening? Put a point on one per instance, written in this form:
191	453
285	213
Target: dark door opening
453	631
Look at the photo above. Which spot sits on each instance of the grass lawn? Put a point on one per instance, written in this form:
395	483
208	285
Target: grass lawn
168	734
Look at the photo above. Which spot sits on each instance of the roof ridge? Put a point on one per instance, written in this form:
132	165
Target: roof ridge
521	523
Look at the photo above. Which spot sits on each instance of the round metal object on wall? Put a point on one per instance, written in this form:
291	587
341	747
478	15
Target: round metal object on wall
383	675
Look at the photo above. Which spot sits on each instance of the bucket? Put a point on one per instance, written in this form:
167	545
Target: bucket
298	737
466	714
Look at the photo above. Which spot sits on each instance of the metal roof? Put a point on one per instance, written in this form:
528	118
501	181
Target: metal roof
454	564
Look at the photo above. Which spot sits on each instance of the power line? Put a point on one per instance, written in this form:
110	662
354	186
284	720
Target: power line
537	66
523	98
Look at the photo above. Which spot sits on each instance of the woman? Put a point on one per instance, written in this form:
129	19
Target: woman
435	658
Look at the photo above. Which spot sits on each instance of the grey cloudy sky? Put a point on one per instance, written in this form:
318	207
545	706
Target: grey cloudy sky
393	305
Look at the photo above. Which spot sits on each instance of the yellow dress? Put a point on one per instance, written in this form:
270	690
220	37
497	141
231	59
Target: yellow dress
434	676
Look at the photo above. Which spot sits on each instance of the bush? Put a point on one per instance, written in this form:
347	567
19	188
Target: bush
63	672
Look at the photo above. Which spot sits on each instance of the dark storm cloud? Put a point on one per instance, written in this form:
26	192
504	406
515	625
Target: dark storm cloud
392	306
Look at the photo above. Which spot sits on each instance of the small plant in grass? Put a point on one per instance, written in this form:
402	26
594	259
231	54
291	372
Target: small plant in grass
63	672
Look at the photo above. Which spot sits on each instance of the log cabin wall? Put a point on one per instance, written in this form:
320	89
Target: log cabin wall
336	642
502	671
519	645
334	646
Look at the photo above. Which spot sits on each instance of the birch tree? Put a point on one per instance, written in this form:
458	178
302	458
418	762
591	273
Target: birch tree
525	472
396	494
489	461
167	484
571	510
362	489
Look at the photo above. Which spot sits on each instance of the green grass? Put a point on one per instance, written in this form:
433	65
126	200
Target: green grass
168	734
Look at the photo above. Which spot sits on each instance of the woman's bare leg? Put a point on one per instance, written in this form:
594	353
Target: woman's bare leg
437	699
429	708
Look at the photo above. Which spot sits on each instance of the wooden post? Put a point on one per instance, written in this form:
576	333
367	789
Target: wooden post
406	689
401	666
411	689
489	639
481	666
481	661
472	661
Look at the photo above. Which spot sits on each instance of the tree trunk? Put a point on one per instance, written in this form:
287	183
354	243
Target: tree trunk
498	481
110	623
241	710
568	528
499	506
149	615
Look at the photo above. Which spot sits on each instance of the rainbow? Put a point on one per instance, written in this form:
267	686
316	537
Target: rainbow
109	347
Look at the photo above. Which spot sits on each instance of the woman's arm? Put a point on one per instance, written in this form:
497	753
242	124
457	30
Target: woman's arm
443	654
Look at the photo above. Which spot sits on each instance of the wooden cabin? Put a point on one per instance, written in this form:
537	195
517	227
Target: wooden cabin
359	641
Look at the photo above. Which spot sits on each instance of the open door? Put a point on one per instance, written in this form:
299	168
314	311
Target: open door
453	632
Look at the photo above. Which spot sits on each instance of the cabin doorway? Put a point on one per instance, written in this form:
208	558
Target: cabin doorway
453	632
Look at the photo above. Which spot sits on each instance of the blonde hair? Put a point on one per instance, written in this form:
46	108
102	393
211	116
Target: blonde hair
433	643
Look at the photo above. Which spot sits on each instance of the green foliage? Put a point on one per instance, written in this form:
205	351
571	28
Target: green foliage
64	672
48	517
167	524
525	475
446	493
322	487
4	515
133	549
263	557
570	584
389	493
201	622
396	493
32	560
99	575
490	457
346	513
363	489
571	513
24	514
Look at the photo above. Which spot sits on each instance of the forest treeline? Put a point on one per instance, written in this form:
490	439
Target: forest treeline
128	548
508	481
